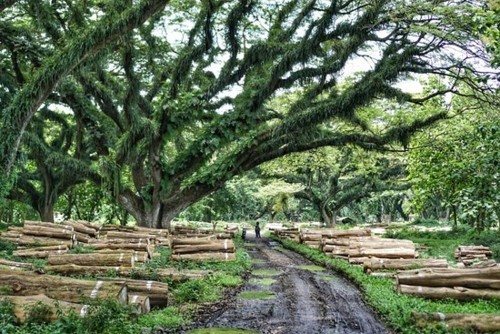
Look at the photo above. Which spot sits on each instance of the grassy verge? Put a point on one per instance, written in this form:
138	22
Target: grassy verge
107	316
395	309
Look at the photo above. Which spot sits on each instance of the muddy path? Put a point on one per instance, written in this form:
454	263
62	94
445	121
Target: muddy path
286	293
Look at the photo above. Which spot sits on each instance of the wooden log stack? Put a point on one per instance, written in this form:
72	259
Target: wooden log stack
335	243
196	249
26	288
469	255
461	284
362	249
291	233
312	238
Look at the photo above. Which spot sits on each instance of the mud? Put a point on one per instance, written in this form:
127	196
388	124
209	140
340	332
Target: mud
306	301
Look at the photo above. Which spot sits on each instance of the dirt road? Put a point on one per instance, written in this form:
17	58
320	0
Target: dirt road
303	299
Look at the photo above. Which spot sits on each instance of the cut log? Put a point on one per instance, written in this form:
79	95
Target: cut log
27	240
81	228
156	291
45	248
128	235
192	241
23	265
106	244
23	283
73	269
36	224
374	264
93	259
41	254
483	278
227	246
204	257
22	305
459	293
139	256
173	274
311	237
358	260
389	253
140	302
42	231
11	234
348	233
477	322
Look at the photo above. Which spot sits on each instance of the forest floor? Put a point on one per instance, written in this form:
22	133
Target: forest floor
286	293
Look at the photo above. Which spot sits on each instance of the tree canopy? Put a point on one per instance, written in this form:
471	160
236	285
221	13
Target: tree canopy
170	99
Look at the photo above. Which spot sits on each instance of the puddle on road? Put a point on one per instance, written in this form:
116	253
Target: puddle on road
259	295
262	281
258	261
266	272
310	268
220	330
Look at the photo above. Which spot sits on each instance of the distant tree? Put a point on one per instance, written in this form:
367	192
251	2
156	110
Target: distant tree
333	179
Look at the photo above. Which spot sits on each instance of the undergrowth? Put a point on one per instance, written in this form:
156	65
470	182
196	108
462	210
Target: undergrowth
394	308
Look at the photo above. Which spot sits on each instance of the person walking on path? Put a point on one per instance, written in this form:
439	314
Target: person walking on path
257	230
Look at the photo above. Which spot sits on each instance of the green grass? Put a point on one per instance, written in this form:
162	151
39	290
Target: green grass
395	309
311	268
258	295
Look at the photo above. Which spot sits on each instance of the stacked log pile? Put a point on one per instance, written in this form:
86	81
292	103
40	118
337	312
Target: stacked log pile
35	239
336	242
364	248
191	232
197	249
312	238
469	255
461	284
291	233
26	288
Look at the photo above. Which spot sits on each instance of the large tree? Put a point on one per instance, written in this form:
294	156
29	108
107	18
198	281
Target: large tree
177	97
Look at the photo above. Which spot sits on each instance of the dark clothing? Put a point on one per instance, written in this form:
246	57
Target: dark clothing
257	231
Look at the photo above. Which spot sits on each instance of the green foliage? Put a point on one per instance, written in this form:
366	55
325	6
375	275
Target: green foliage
6	248
455	166
394	308
38	313
196	291
170	317
7	317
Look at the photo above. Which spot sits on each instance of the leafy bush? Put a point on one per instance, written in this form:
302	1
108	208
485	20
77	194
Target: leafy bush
170	317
